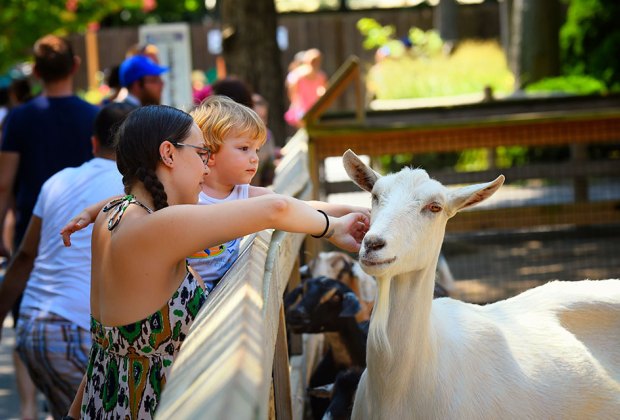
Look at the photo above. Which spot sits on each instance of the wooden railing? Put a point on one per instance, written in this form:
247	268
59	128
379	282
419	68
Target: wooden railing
576	122
234	363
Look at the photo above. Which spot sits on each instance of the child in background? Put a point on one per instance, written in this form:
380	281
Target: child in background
234	133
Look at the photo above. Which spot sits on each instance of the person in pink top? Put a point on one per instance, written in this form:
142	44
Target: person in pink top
306	85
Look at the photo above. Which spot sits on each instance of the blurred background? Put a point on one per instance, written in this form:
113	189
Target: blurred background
529	88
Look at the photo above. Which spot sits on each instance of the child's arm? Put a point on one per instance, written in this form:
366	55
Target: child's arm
85	218
258	191
336	210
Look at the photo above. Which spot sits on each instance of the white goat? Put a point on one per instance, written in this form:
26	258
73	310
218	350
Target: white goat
552	352
342	267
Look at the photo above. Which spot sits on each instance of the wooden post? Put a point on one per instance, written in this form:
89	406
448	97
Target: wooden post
220	67
281	375
360	97
295	344
579	155
92	56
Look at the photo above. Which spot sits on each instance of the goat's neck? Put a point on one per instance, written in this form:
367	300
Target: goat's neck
349	339
408	329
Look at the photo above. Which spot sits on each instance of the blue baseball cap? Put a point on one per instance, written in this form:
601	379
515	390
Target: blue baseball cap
138	66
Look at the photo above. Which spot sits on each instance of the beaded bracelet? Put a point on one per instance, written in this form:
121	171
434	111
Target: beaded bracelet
326	227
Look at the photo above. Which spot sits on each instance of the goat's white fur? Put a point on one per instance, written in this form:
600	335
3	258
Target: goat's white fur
552	352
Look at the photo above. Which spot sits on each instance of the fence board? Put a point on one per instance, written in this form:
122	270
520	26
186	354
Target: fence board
219	369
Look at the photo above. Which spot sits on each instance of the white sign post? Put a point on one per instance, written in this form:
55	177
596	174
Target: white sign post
174	45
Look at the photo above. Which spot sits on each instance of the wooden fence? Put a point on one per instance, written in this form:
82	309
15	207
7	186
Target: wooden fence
575	122
234	363
334	33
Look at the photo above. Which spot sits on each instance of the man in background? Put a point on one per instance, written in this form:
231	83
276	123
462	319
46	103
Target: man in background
41	137
53	334
141	76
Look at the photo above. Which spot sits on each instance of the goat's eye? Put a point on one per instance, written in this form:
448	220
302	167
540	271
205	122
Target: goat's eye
375	198
433	207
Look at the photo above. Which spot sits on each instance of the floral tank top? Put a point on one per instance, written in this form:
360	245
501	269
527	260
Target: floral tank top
128	365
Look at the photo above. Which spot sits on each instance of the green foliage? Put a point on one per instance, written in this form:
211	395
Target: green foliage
590	40
425	43
22	22
472	67
577	85
166	11
375	35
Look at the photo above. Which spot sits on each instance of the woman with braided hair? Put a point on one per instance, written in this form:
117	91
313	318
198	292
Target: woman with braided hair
143	298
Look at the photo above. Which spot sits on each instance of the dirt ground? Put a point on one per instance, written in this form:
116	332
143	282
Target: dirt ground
490	267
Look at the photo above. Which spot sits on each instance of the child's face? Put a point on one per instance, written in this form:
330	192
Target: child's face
237	160
190	172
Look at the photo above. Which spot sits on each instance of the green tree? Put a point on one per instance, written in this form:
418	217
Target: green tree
590	40
22	22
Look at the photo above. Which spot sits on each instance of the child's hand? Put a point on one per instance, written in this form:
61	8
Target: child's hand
77	223
347	232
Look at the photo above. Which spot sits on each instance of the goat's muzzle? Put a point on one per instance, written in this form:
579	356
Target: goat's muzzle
373	243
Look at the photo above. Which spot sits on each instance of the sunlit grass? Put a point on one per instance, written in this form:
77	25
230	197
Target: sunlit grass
473	66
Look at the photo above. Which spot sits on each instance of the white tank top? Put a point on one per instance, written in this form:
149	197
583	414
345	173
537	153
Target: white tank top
212	263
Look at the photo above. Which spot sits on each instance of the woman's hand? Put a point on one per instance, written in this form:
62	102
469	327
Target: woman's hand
347	232
79	222
85	218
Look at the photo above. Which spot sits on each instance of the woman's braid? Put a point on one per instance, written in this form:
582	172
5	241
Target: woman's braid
154	186
126	184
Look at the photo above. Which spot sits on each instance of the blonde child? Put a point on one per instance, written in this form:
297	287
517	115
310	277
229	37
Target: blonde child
234	133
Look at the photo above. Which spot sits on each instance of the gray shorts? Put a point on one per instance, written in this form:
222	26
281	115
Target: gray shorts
56	353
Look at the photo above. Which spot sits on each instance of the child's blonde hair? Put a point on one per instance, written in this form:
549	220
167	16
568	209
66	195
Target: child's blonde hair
218	116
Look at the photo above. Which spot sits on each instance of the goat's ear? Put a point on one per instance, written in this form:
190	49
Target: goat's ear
350	305
471	195
358	171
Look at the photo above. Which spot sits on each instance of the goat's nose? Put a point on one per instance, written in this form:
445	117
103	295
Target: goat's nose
296	314
373	243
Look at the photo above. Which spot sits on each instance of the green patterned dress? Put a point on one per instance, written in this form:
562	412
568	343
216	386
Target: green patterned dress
128	366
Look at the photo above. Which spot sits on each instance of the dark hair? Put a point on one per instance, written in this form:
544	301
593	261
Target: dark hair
137	145
4	96
21	90
53	58
236	89
108	119
112	77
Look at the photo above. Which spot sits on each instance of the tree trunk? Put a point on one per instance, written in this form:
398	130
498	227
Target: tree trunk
445	21
534	40
251	52
505	19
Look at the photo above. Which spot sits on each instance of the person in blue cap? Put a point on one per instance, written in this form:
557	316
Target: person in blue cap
142	78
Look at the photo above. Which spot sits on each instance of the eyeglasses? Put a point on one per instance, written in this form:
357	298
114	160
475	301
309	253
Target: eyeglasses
205	151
